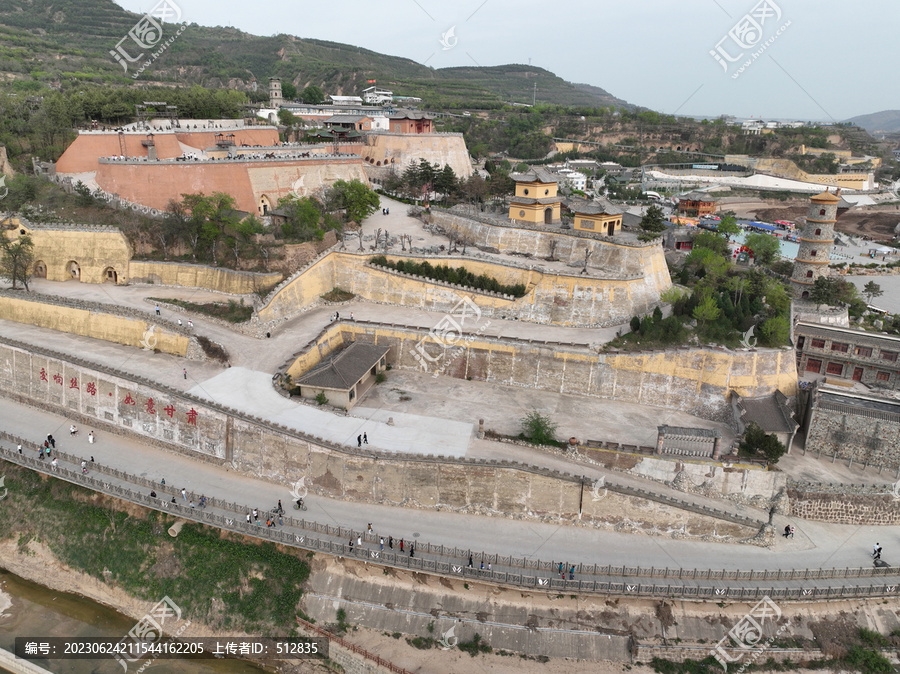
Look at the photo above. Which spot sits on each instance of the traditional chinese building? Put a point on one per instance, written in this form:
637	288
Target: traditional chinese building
344	378
816	241
697	204
595	216
411	121
536	200
841	353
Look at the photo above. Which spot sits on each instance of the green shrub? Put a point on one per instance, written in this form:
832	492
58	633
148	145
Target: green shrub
539	429
321	398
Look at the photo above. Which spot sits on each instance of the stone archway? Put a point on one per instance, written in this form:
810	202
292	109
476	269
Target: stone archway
73	270
40	269
805	295
548	216
110	275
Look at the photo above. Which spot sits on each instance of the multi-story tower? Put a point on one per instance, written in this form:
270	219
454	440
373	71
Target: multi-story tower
275	99
816	241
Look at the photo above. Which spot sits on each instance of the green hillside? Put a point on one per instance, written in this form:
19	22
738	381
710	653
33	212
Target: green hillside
43	42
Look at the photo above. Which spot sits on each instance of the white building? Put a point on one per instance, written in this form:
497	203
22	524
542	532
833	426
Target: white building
376	96
574	179
345	100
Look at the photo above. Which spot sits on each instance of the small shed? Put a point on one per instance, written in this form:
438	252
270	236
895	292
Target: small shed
345	377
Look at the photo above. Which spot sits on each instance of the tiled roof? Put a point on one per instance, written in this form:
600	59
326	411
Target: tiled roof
846	335
697	196
345	119
411	114
529	200
601	206
346	368
770	413
535	175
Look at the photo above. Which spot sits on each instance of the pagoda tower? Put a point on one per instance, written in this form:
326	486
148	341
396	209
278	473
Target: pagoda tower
816	242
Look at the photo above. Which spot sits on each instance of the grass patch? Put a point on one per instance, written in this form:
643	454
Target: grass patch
474	647
256	585
338	295
232	311
212	350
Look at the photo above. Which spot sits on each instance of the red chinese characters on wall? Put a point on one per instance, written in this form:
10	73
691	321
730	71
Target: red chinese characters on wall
170	410
149	406
129	400
43	374
91	388
73	382
192	417
58	378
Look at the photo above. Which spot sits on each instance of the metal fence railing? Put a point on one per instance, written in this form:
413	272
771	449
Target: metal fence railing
521	572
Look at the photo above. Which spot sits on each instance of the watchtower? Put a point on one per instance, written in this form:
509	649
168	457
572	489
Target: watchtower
816	241
275	99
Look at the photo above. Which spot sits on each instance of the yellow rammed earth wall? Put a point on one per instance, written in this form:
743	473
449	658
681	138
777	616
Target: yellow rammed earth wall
551	298
327	342
90	250
108	327
201	276
698	380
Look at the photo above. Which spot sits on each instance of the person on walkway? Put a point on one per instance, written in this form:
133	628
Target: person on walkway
470	561
55	464
412	550
359	541
91	437
482	565
337	315
47	450
572	573
787	530
489	567
792	531
877	554
92	458
83	467
351	315
365	439
152	494
382	544
875	549
401	545
351	544
179	322
359	441
190	324
184	372
256	514
73	430
157	310
369	528
163	481
192	505
391	542
184	493
41	453
52	441
280	509
248	518
19	448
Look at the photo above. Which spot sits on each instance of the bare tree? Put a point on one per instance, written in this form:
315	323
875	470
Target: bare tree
552	256
587	256
387	238
360	233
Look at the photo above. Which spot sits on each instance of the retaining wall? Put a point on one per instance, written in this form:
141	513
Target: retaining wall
696	380
201	276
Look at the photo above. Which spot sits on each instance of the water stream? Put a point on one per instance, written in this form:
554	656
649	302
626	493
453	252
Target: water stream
31	610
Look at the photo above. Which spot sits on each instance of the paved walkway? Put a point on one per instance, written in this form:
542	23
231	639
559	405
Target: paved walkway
817	544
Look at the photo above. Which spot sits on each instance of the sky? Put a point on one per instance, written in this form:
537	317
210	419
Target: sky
823	60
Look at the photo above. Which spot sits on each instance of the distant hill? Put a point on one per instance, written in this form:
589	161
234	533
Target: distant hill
886	121
68	41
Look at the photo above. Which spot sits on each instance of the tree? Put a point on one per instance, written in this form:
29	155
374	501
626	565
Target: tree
728	226
707	310
825	291
872	290
354	198
312	94
17	259
302	218
757	441
289	91
538	428
776	331
652	223
765	248
286	117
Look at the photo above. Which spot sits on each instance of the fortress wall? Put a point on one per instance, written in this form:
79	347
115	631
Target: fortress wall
554	299
437	148
605	253
114	402
93	249
155	184
265	136
91	323
695	380
200	276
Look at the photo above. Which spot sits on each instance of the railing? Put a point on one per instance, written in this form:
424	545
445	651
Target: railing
504	570
352	647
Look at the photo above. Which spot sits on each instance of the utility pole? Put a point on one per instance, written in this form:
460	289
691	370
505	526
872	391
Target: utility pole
534	95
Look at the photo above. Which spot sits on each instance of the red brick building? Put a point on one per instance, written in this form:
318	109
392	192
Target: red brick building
411	121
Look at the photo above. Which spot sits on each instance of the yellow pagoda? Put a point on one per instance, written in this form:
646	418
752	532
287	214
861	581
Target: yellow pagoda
536	200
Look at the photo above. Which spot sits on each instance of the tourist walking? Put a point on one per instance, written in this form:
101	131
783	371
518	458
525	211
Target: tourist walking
792	531
55	464
875	549
51	441
184	372
382	544
390	541
91	437
83	467
255	514
401	545
184	493
359	441
470	561
190	324
787	530
359	541
157	310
